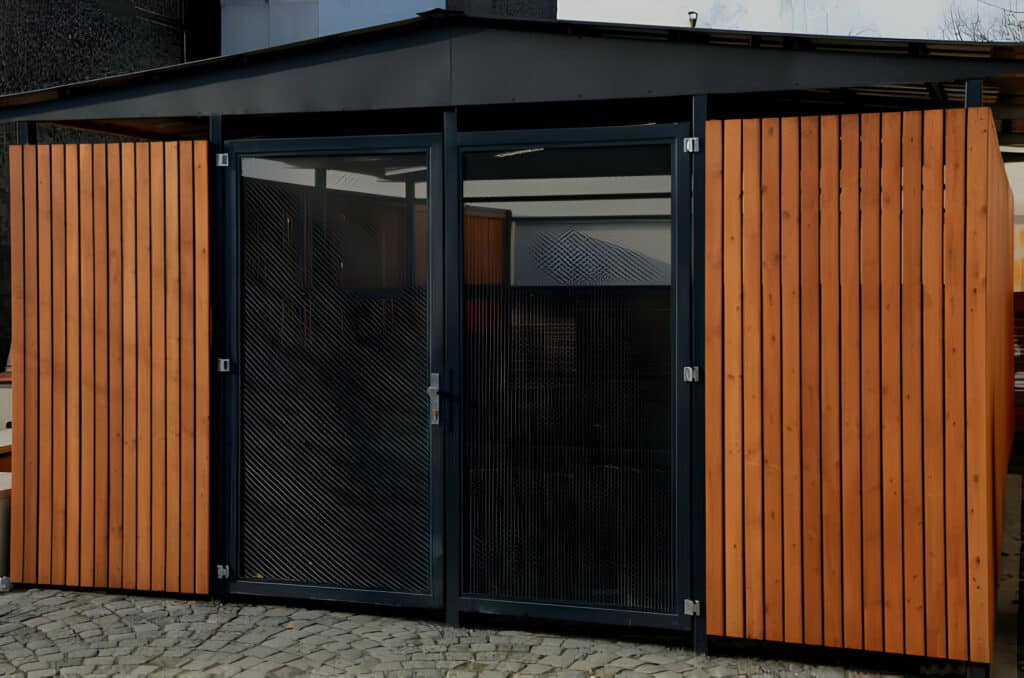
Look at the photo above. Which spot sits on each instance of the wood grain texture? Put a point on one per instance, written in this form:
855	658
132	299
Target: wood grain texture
771	399
83	281
714	388
753	459
876	257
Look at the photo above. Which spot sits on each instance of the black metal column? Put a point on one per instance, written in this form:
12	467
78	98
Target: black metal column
698	535
974	91
26	132
452	375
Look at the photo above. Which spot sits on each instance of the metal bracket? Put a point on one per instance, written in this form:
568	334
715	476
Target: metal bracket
223	160
434	393
691	375
223	571
691	144
691	608
223	365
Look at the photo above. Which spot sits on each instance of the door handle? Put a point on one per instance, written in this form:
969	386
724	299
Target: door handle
434	393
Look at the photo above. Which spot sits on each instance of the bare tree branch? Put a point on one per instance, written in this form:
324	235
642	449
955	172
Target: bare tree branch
1004	23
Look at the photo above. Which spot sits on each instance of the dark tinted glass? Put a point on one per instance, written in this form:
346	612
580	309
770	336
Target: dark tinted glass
335	460
568	494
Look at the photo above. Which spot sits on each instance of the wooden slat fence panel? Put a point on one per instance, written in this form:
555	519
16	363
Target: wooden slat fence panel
88	289
883	306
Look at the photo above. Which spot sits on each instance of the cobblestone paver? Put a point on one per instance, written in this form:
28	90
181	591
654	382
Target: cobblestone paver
49	632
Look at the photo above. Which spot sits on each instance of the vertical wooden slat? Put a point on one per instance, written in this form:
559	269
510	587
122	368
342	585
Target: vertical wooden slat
791	423
73	420
913	500
753	505
850	350
871	443
771	400
18	362
172	298
955	466
978	432
88	368
831	472
144	362
128	359
932	385
158	399
810	348
892	475
99	366
187	499
714	388
203	364
114	362
732	270
58	572
31	467
44	452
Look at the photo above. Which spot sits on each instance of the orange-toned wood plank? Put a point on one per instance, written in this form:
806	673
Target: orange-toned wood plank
30	571
871	387
45	450
87	292
714	389
850	350
831	468
203	364
810	358
955	464
172	301
158	402
99	366
73	420
143	412
114	361
892	482
753	460
980	541
59	530
19	367
771	400
792	528
913	473
187	499
129	359
732	353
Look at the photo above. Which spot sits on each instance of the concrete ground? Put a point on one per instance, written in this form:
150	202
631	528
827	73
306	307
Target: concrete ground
51	632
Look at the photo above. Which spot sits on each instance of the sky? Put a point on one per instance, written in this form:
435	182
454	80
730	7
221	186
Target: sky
877	18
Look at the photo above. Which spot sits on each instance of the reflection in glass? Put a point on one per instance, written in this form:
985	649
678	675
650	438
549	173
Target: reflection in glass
567	452
335	463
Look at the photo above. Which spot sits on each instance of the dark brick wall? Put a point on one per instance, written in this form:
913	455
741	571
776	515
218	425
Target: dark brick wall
51	42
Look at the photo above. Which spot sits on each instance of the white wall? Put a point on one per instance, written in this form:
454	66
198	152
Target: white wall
248	25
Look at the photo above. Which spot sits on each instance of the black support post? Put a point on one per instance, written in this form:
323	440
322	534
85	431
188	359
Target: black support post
26	133
452	375
699	115
973	93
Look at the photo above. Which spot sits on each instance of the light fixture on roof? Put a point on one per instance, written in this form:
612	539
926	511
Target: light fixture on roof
693	19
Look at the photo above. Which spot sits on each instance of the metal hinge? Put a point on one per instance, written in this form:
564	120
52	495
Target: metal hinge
691	375
223	571
691	144
691	608
224	364
223	160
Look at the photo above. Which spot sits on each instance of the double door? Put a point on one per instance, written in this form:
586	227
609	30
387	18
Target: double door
474	405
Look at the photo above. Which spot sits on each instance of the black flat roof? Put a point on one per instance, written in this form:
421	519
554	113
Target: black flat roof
444	59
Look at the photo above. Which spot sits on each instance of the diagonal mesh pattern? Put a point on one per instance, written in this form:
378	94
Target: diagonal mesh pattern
335	421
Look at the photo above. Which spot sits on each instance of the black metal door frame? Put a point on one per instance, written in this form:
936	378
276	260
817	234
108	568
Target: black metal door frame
229	258
687	555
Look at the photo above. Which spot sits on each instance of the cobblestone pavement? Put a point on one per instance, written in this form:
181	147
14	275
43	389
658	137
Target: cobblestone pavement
49	632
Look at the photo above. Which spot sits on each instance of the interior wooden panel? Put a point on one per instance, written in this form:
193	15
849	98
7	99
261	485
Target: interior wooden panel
101	498
891	470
